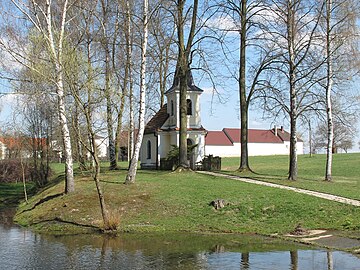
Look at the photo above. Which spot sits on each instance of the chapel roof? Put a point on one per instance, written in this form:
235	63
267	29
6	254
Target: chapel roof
190	83
157	121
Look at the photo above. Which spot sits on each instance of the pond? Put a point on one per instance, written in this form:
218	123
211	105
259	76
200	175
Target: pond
22	249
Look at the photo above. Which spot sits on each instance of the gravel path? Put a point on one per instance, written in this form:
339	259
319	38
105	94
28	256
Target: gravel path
298	190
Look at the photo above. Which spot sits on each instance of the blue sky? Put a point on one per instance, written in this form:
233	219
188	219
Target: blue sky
216	115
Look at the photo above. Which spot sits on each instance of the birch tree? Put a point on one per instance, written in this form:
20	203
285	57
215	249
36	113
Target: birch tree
339	30
329	84
131	175
49	20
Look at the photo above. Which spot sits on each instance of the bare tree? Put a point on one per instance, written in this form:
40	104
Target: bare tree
291	27
87	93
93	151
126	82
162	33
130	82
183	70
105	22
130	178
343	134
246	17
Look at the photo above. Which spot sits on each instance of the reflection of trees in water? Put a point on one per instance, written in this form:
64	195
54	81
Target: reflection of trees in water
218	249
245	262
330	260
144	251
294	260
141	251
6	217
115	253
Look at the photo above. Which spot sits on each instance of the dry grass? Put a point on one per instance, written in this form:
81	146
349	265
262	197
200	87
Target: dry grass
114	221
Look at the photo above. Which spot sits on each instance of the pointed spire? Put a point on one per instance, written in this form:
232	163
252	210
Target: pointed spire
190	82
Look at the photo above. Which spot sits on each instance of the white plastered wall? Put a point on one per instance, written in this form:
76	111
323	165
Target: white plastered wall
144	148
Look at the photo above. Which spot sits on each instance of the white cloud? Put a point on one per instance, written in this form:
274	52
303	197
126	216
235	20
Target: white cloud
223	23
208	90
7	103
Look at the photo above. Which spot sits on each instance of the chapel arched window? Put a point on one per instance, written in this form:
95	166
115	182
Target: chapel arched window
188	107
148	150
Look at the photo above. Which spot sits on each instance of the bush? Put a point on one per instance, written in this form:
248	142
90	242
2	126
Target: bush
11	171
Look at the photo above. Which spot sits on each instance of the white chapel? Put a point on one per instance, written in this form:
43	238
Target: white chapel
163	130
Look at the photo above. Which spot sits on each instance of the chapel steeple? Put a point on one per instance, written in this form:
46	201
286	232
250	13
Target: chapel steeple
190	83
192	99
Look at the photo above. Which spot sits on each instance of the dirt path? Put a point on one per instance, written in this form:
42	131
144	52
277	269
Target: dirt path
298	190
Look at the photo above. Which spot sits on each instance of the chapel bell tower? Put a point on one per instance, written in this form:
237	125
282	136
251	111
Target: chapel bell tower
192	100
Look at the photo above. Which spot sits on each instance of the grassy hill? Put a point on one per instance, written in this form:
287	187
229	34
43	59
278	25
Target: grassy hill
167	201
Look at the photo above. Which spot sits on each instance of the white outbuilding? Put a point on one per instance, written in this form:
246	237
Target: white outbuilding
261	142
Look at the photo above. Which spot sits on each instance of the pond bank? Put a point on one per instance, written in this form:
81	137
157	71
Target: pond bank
162	251
169	202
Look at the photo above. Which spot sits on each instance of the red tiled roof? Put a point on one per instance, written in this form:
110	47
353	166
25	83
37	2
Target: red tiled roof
157	121
13	143
189	129
228	136
263	136
217	138
284	135
233	134
125	136
254	135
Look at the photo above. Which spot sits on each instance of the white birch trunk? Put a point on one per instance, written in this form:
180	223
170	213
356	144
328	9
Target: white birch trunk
56	51
329	83
131	96
69	174
292	84
44	26
23	178
130	178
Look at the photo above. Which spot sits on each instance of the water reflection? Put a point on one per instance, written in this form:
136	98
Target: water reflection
245	261
294	260
171	251
330	260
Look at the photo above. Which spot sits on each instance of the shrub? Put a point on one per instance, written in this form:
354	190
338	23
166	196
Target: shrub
11	171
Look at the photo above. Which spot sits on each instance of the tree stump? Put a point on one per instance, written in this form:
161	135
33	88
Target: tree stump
217	204
299	230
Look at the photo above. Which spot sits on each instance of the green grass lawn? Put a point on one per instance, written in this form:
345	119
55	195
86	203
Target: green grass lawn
12	193
346	172
167	201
